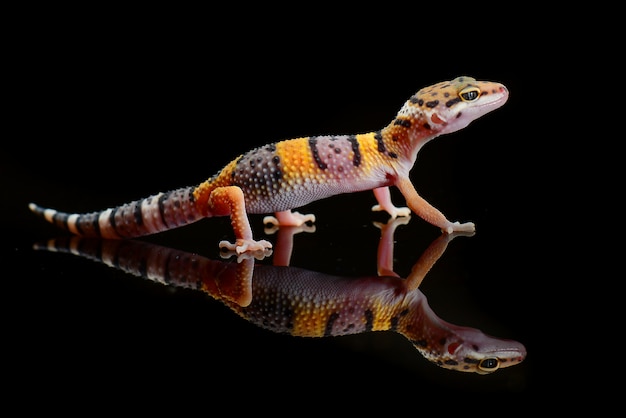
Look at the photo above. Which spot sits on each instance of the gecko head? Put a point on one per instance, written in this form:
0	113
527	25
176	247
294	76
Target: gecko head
451	105
470	350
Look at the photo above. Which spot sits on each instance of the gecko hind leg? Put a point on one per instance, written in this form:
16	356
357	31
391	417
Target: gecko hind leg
230	201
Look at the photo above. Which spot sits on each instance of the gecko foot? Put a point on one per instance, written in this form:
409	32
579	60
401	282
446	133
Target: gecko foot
288	218
392	223
394	212
459	227
250	255
250	247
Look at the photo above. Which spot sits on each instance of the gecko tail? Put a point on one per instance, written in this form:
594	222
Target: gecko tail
142	217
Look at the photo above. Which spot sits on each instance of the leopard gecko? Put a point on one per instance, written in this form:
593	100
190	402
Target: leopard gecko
288	174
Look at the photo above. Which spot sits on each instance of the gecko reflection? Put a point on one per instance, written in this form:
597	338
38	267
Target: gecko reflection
306	303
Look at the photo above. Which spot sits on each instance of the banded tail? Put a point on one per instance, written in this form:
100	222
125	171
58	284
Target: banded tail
153	214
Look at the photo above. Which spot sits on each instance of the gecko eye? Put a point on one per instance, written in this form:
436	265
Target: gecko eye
469	94
489	364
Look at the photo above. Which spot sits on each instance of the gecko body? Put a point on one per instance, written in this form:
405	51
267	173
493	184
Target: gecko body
285	175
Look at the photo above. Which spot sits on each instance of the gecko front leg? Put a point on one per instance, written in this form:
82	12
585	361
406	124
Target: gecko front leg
383	196
427	211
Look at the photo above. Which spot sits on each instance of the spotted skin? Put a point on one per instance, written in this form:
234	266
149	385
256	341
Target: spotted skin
282	176
305	303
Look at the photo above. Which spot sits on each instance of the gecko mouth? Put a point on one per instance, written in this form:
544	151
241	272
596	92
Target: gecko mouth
496	99
490	102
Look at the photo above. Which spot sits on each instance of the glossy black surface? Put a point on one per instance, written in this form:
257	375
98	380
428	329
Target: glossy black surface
108	115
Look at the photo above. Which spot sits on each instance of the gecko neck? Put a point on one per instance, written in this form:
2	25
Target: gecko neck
406	136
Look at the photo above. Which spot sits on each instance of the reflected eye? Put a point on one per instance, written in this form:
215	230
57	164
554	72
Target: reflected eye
469	94
489	364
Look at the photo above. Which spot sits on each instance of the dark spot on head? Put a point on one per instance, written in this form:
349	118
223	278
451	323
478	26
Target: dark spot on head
432	103
452	102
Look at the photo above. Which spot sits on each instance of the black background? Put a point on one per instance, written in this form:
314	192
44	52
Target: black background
111	106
